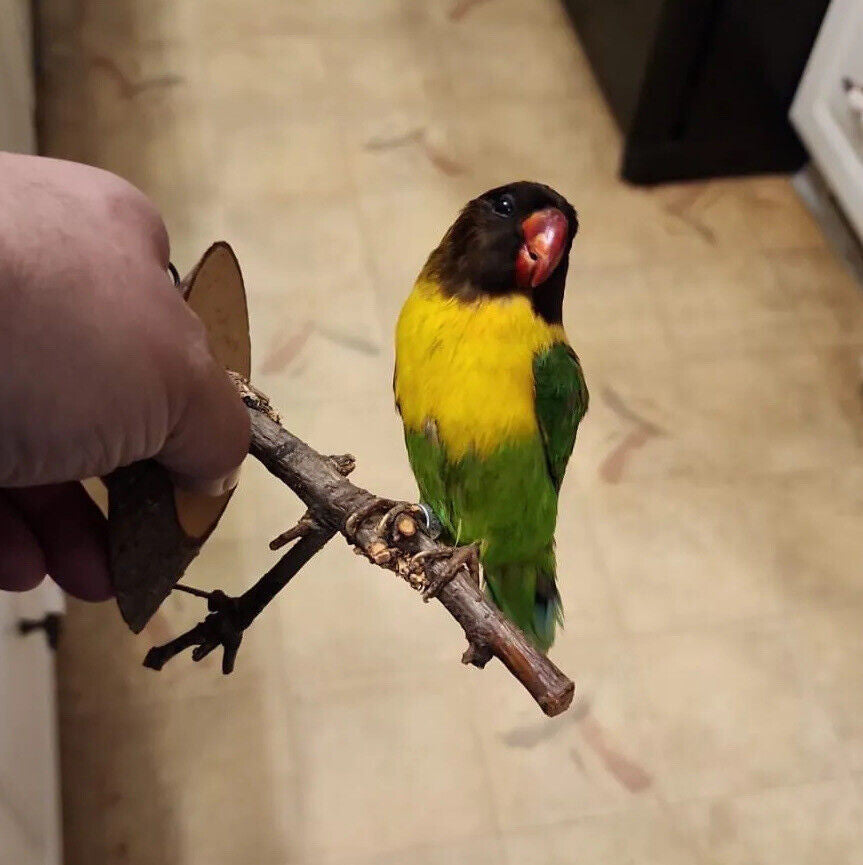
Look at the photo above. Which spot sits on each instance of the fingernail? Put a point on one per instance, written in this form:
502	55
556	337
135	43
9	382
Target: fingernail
207	486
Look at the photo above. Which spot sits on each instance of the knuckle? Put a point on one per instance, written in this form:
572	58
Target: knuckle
131	207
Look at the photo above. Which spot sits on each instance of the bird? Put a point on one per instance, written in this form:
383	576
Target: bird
491	393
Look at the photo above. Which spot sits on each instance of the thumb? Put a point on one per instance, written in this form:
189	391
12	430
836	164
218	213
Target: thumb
210	438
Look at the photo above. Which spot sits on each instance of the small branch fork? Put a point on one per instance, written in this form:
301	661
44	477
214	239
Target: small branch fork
388	534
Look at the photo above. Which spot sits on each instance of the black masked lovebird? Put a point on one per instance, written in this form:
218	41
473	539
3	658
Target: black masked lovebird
491	393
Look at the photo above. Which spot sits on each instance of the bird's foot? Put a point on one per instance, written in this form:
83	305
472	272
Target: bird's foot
400	520
224	627
459	557
397	518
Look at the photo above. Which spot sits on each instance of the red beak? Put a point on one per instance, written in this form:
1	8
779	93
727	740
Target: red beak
545	234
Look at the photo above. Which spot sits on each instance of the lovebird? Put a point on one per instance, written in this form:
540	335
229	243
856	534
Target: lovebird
491	393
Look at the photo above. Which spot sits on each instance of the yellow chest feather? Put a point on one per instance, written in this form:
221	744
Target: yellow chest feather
468	366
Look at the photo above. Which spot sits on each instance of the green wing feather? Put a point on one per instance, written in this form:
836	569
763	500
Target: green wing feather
561	400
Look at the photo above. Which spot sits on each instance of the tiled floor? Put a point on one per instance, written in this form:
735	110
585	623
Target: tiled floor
710	540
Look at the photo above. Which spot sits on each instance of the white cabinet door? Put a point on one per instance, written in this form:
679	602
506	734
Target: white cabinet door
828	107
29	788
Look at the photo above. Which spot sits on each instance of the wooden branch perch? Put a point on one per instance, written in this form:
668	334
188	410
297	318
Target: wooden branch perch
331	499
156	530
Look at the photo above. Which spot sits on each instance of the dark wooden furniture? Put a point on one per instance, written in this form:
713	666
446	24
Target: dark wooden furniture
700	87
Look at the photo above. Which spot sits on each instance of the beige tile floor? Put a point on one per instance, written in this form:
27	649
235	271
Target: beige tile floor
710	539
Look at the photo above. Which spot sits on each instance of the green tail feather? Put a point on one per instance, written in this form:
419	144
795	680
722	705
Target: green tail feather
526	593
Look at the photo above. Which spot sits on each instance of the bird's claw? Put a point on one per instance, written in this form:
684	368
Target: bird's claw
222	627
361	514
390	520
459	557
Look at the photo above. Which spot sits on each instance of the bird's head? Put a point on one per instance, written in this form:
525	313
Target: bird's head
514	239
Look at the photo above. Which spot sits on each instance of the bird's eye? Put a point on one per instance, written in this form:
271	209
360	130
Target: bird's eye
503	206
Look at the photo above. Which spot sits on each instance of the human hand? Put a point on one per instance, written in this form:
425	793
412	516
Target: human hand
101	364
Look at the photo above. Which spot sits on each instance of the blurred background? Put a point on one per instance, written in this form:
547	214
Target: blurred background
710	539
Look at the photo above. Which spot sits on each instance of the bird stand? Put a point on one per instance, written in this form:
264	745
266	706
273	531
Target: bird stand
156	530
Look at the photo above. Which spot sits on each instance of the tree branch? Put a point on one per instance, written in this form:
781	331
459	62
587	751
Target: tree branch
331	499
229	617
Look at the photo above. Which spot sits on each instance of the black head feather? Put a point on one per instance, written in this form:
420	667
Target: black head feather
478	254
